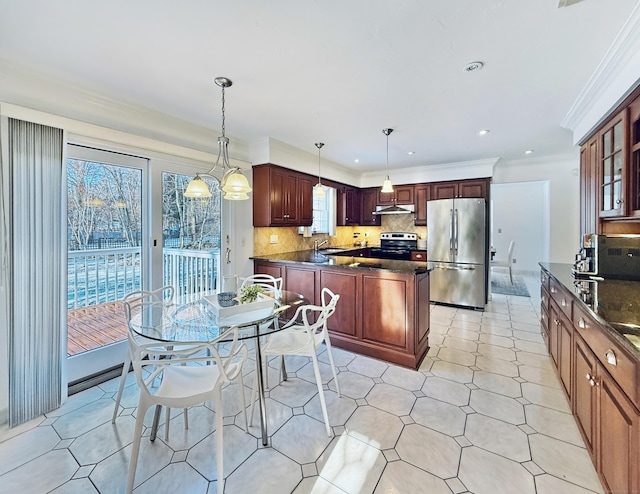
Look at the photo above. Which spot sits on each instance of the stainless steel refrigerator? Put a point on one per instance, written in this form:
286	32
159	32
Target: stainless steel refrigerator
457	249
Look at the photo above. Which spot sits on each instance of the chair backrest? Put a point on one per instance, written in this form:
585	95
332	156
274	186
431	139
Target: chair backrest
151	360
510	251
134	301
266	281
322	313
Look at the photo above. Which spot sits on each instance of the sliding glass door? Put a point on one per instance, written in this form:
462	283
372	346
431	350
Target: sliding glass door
107	244
129	227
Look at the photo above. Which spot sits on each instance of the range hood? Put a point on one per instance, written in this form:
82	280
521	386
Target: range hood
404	209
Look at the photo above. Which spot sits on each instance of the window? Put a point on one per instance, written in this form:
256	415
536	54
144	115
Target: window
324	213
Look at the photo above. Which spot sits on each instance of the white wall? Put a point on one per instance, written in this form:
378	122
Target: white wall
562	175
520	212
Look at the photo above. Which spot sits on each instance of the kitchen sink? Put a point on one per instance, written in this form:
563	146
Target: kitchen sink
331	250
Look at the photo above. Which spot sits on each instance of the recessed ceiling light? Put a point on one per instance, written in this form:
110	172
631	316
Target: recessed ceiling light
473	66
356	160
411	153
528	151
483	132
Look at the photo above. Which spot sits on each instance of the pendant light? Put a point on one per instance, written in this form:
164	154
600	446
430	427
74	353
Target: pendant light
318	190
232	182
386	185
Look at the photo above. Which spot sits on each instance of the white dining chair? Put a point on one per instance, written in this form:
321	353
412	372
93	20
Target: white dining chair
508	263
273	286
304	340
134	303
185	382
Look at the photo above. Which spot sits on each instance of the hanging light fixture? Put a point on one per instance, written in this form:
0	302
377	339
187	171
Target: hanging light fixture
318	190
232	182
386	185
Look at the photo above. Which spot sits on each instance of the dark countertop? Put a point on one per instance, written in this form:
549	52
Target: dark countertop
615	304
348	262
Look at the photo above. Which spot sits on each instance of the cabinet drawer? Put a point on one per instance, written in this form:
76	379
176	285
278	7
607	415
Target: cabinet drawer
418	255
544	279
561	297
544	297
544	325
622	366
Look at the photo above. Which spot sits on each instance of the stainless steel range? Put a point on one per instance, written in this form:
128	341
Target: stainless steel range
395	245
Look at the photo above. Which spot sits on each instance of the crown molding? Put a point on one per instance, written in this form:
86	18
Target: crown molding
30	89
434	173
612	81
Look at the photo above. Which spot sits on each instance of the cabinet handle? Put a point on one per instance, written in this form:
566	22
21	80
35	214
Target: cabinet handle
553	290
619	201
611	357
581	323
563	303
544	299
418	256
556	321
591	379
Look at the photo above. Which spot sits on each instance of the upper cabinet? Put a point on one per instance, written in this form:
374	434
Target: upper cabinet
401	195
463	188
348	213
369	200
281	197
612	173
422	194
634	157
589	187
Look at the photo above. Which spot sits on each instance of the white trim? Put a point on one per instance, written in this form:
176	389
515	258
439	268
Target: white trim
85	134
434	173
612	81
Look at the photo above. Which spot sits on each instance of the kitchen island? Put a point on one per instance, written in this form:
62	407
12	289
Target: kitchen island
383	311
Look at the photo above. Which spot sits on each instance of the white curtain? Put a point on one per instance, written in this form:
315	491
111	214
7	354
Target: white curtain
33	265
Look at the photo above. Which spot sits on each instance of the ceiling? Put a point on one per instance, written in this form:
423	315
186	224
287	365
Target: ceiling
334	71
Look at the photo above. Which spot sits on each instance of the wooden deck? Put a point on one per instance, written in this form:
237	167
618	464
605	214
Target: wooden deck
95	326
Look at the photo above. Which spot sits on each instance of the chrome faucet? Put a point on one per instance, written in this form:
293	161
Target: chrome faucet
316	244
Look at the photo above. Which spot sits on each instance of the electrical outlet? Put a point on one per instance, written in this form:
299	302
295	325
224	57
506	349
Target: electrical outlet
273	239
514	260
499	230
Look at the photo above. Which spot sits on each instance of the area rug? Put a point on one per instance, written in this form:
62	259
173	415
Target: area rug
500	284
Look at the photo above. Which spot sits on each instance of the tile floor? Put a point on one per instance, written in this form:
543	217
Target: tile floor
484	414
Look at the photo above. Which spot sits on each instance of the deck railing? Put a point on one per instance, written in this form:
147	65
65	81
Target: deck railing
106	275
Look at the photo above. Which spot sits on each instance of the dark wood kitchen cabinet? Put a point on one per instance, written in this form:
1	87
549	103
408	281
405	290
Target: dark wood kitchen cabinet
608	421
634	157
589	187
369	201
462	188
610	172
603	380
380	313
348	213
281	197
422	193
401	195
611	166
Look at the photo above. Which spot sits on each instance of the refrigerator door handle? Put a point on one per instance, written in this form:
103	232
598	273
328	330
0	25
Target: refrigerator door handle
451	232
455	222
455	268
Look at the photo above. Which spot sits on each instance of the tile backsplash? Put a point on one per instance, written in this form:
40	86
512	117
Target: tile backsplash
289	240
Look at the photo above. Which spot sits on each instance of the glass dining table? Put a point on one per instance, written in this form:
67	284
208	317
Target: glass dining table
195	319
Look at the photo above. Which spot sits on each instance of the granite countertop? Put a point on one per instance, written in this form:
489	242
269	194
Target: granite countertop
321	258
614	304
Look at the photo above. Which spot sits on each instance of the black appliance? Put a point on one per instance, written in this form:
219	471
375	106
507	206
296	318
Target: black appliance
395	245
615	257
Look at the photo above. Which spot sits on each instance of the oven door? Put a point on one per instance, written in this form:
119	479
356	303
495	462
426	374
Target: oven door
397	254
